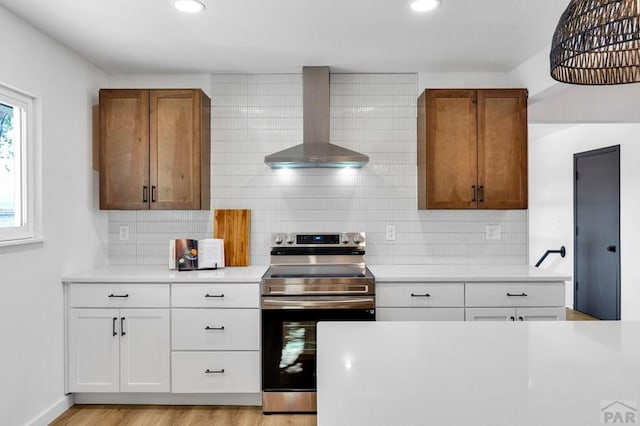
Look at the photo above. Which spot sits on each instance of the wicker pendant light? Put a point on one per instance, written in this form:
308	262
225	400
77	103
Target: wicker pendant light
597	42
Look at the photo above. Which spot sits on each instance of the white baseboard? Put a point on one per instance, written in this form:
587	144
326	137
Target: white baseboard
250	399
51	413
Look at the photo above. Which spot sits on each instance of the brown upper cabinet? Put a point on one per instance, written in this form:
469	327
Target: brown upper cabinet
154	149
472	149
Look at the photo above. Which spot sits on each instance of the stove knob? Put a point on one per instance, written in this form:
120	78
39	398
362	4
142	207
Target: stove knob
345	238
291	239
278	239
357	238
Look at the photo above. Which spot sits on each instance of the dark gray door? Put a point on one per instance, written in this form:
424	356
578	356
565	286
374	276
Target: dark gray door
597	233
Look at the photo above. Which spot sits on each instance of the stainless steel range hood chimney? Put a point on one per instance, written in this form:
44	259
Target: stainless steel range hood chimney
316	151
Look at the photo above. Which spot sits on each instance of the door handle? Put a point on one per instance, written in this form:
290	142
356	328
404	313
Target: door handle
144	194
473	193
612	249
122	333
115	319
481	193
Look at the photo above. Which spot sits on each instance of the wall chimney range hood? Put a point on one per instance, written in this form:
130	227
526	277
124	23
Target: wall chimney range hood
316	151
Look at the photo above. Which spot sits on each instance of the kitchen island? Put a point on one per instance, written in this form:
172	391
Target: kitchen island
484	374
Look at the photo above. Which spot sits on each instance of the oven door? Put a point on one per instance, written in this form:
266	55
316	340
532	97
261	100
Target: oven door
289	336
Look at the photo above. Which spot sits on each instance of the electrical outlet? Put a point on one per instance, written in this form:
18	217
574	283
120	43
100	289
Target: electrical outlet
391	233
124	233
493	232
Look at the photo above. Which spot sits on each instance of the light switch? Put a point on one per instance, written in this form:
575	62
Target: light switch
493	232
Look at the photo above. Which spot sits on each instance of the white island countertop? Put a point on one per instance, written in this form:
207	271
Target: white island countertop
162	274
463	273
478	373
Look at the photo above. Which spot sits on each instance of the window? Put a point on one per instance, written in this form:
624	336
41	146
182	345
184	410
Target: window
19	221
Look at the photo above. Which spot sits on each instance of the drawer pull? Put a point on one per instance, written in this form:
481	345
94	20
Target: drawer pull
517	295
420	295
118	295
214	328
214	295
207	371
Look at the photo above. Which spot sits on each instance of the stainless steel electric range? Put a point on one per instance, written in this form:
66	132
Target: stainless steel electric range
313	277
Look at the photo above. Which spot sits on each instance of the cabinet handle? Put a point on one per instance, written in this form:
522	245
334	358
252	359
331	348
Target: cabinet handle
520	319
153	193
144	194
214	295
473	193
207	371
512	318
118	295
517	295
122	333
481	193
214	328
420	295
115	333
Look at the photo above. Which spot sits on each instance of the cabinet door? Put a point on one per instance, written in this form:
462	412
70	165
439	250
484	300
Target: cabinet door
124	149
176	149
502	149
541	314
447	149
145	352
93	339
419	314
490	314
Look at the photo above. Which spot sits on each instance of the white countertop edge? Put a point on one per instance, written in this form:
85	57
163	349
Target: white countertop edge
463	273
162	274
383	274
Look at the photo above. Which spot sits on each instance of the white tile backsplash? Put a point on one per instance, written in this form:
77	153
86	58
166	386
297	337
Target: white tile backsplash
253	115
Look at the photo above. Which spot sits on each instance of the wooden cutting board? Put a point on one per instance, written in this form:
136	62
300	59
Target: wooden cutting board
233	227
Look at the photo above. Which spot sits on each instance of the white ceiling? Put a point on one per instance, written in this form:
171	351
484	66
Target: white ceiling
149	36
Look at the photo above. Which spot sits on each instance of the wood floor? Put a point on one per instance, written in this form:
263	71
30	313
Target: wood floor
578	316
156	415
190	415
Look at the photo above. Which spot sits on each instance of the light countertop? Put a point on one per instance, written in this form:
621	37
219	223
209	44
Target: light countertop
478	373
383	273
161	274
462	273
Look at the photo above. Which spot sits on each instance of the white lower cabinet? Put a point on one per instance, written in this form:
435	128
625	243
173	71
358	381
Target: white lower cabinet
420	302
215	338
515	301
118	350
216	372
516	314
420	314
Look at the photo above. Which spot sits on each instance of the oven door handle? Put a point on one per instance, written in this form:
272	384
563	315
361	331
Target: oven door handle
279	303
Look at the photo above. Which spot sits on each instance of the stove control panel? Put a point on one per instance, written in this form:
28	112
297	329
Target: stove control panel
319	239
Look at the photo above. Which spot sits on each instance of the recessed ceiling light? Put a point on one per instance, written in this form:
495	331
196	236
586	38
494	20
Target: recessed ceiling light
188	6
424	5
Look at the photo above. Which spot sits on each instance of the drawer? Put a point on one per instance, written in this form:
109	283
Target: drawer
119	295
420	314
228	329
420	295
215	372
227	295
515	294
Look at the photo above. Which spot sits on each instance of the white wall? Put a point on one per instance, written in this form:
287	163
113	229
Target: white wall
551	198
75	234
